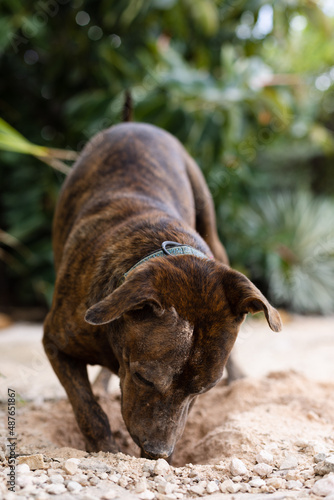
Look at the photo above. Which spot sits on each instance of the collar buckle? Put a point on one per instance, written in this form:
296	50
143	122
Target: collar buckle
169	243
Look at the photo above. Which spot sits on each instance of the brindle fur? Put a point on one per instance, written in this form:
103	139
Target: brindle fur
168	330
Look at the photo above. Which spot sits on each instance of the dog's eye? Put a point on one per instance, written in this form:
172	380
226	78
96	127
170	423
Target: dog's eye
143	380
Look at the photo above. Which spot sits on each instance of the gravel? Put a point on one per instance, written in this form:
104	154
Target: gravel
104	476
270	439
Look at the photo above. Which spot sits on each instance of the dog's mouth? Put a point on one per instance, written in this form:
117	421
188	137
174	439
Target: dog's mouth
155	456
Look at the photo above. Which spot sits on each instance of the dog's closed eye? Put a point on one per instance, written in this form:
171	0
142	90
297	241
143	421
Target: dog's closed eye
139	378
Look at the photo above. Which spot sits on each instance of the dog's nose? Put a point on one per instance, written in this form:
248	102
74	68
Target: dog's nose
153	452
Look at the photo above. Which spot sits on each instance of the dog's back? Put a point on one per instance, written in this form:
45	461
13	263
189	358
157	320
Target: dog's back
131	168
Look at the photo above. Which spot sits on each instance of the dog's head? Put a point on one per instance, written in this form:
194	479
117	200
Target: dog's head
178	319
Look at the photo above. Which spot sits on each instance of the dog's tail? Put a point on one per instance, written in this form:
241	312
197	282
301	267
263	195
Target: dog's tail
127	112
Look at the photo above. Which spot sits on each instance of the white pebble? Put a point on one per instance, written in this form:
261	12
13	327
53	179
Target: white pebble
263	470
212	486
330	458
159	480
74	486
325	467
198	489
124	481
114	478
166	488
10	496
140	486
290	462
237	479
294	485
295	476
28	493
245	488
41	495
318	448
53	470
257	482
94	481
228	486
81	478
24	481
149	466
40	479
109	495
70	467
237	467
56	479
23	469
302	443
147	494
276	482
56	489
74	460
264	457
161	467
319	457
324	486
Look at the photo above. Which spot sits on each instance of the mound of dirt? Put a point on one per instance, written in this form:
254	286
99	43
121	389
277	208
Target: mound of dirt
277	412
283	416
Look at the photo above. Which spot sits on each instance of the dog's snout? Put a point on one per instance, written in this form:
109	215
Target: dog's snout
153	452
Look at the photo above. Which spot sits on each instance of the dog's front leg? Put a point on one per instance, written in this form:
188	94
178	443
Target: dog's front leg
92	420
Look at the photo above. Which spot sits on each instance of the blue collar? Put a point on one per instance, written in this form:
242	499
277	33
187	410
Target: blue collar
176	249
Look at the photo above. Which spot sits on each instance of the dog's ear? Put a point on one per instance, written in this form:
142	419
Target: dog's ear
131	295
244	297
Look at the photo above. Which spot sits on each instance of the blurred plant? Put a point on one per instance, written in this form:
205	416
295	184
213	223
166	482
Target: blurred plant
11	140
290	242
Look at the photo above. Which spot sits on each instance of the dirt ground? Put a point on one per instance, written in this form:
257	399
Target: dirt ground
283	406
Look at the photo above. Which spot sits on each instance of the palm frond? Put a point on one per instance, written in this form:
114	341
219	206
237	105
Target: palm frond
295	235
12	140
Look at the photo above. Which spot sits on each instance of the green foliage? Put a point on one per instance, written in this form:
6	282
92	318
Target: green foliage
294	250
246	85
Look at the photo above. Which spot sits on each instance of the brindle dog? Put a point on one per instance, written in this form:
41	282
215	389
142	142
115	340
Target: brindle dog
166	324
